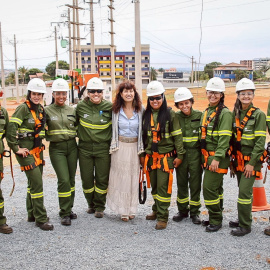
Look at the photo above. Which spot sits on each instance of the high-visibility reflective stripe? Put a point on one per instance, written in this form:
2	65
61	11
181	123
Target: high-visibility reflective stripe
72	189
221	196
225	133
36	195
154	196
89	190
61	131
100	191
198	203
211	202
167	135
91	126
28	190
248	136
176	132
244	201
185	200
23	130
2	205
267	118
64	194
260	133
16	120
191	139
163	199
209	132
1	135
42	133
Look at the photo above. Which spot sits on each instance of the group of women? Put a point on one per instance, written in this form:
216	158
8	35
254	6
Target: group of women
115	140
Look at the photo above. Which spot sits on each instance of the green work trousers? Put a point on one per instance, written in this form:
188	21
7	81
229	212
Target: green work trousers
94	161
34	200
189	177
159	183
3	219
64	156
213	195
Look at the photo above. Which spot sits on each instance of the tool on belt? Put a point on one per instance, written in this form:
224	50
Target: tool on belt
158	157
267	160
142	187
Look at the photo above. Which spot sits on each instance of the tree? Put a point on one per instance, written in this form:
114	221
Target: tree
32	71
50	68
22	72
203	76
10	78
161	70
240	74
209	68
153	74
264	69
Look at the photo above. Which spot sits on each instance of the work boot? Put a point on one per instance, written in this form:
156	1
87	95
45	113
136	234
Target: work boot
66	221
73	215
90	210
99	214
152	216
205	223
213	228
234	224
267	230
32	219
196	219
161	225
45	226
240	231
4	228
179	217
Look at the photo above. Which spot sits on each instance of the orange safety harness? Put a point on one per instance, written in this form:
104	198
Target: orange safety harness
206	153
35	152
158	157
239	156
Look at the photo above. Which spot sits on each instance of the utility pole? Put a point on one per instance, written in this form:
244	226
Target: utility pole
56	52
138	48
69	41
16	72
112	45
74	36
192	61
2	70
79	51
195	71
93	54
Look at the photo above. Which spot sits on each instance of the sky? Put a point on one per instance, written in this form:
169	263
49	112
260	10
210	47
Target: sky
230	31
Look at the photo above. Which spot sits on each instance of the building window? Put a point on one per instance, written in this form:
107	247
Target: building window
133	73
108	66
101	73
89	66
126	58
145	65
120	65
133	58
126	65
82	50
88	50
127	73
96	58
121	73
146	58
89	58
82	66
101	58
82	58
133	65
146	73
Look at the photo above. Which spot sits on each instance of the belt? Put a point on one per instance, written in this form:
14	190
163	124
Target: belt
127	139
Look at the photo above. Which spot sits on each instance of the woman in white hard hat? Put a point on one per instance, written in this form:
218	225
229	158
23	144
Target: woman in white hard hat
61	133
216	131
24	136
164	150
94	131
126	146
249	126
189	172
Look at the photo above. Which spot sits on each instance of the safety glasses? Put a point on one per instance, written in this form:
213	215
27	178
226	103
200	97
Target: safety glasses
95	91
155	98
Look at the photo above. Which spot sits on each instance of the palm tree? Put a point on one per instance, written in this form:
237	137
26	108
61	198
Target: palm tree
22	71
11	78
153	74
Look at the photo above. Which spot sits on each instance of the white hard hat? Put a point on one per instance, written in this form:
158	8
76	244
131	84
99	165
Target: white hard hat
182	93
244	84
95	84
37	85
154	88
215	84
60	85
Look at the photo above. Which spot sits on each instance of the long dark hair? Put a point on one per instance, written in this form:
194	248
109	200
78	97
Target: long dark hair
33	105
119	102
238	106
163	117
220	107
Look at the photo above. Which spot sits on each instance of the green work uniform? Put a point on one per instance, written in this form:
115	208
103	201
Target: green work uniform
94	132
268	117
252	145
3	126
189	172
61	132
160	179
22	122
216	141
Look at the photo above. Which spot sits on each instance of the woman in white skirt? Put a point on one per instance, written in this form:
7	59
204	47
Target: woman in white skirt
126	148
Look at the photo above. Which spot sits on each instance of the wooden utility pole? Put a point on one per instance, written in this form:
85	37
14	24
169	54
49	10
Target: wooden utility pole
4	104
112	45
74	36
16	72
69	41
92	41
56	51
79	50
195	71
138	56
192	61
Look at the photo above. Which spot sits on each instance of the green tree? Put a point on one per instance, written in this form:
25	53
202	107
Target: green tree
161	70
153	74
50	68
22	72
240	74
264	69
209	68
203	76
10	78
32	71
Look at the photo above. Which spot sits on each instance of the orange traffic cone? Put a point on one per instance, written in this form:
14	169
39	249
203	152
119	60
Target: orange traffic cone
259	196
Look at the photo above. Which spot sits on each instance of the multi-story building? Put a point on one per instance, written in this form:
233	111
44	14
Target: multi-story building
248	63
124	62
259	63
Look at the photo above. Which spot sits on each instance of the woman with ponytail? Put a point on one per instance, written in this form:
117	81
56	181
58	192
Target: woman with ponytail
216	131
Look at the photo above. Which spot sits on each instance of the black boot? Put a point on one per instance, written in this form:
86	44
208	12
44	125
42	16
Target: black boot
234	224
240	231
179	217
196	219
213	228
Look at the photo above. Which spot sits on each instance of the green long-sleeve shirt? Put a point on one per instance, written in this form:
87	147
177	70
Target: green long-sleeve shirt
22	122
253	136
268	117
95	121
190	126
60	123
173	140
3	127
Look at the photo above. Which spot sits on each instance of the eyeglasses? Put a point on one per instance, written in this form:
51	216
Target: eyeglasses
210	93
61	93
246	94
155	98
95	91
